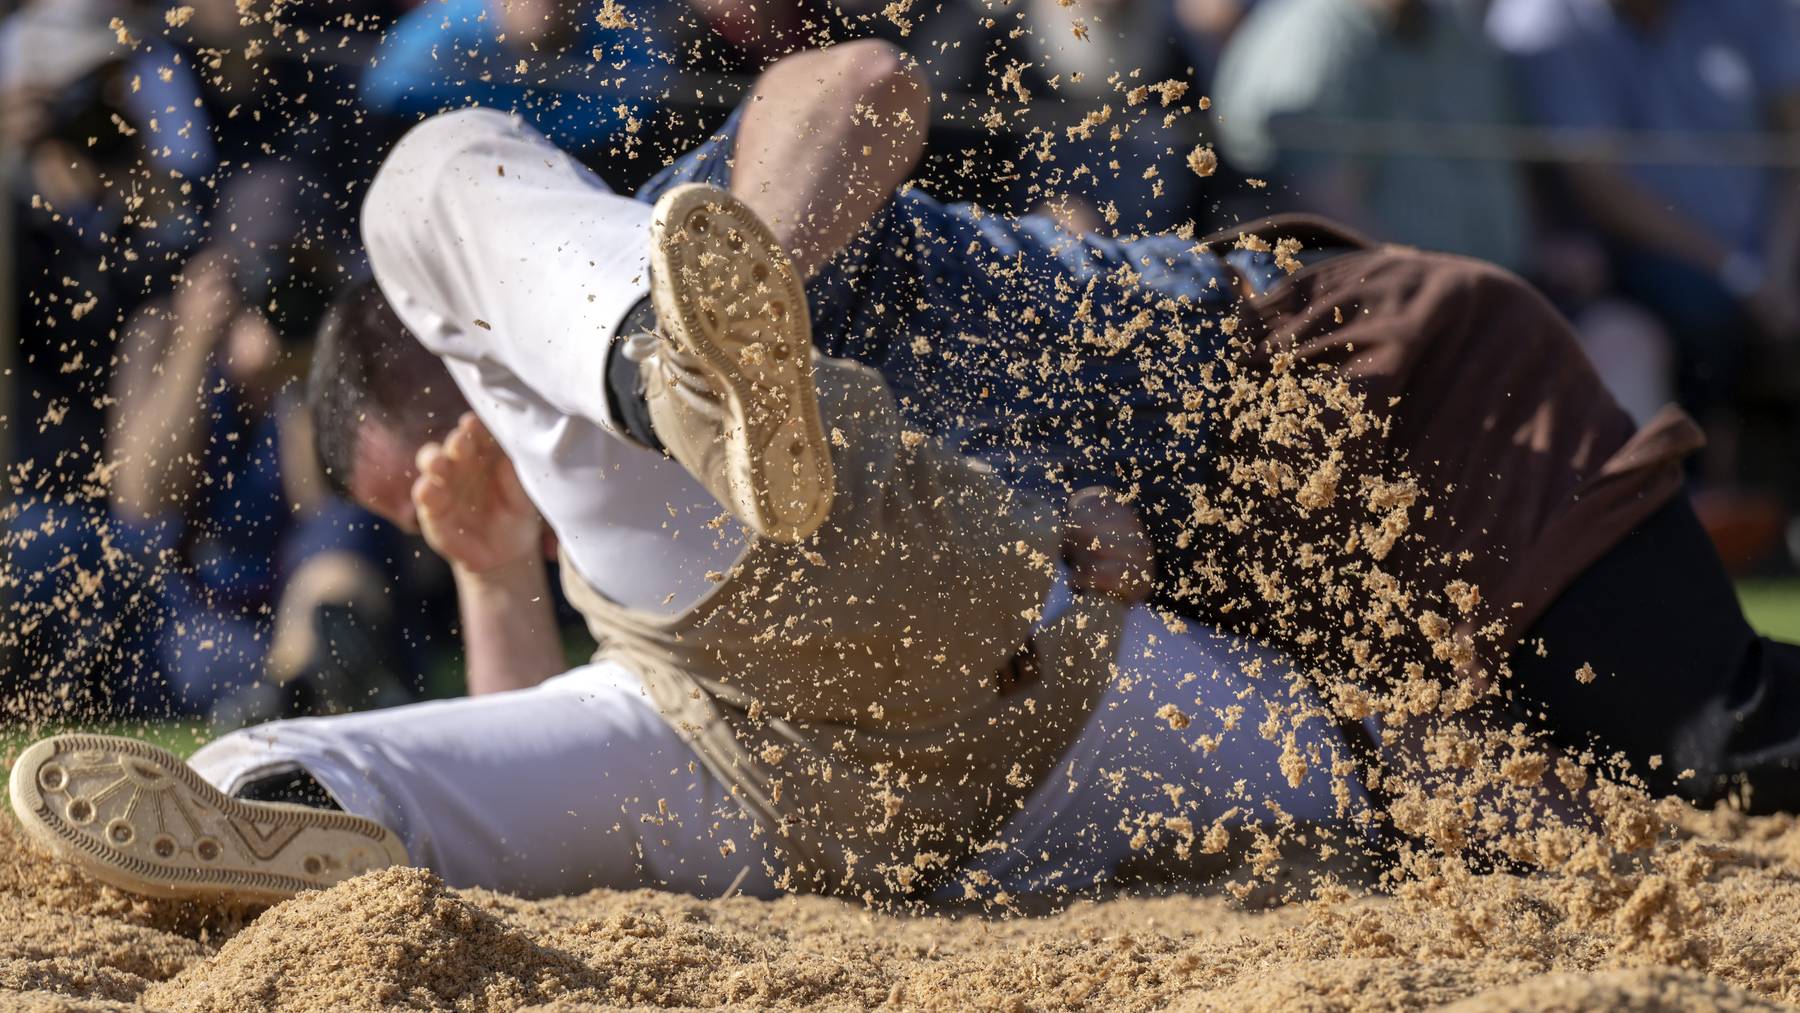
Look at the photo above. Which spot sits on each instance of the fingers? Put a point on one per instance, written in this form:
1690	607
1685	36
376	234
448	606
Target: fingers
470	441
431	492
464	455
478	431
459	445
430	459
463	472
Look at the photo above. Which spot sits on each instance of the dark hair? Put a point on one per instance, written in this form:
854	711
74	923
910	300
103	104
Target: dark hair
367	368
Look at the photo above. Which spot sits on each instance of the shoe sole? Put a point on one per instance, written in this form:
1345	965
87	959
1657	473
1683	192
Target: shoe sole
726	293
138	818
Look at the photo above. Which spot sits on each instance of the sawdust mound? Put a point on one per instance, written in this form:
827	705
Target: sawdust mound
51	1002
27	877
402	939
54	951
67	936
393	938
1644	990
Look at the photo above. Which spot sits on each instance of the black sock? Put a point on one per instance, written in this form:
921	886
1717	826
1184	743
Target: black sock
295	786
625	384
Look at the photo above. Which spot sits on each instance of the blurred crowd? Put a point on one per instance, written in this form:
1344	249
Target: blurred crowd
183	178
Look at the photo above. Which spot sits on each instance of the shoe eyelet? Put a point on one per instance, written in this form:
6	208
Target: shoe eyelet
120	833
52	777
80	811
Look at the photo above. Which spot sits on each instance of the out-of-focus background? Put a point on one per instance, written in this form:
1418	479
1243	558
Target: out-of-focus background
182	179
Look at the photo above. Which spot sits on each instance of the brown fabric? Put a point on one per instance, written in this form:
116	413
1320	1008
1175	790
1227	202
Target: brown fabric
864	692
1526	461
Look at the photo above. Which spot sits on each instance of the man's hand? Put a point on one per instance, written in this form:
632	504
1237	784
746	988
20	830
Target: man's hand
1106	548
473	512
472	509
204	304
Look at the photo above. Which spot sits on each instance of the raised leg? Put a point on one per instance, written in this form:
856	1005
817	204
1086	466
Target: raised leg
826	137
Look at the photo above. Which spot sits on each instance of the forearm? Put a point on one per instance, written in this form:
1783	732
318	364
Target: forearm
154	439
509	628
1625	210
826	137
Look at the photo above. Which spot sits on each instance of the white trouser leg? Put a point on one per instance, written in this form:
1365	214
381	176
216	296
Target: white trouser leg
515	265
1078	824
579	783
566	787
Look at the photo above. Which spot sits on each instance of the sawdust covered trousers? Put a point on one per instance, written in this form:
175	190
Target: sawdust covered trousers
579	783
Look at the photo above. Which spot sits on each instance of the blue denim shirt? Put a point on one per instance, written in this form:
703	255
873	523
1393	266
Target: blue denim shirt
1044	352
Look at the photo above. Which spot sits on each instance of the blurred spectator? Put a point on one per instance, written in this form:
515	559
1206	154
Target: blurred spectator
47	43
1121	168
1710	248
1405	62
580	72
739	36
1206	27
1047	119
81	207
237	84
61	81
222	561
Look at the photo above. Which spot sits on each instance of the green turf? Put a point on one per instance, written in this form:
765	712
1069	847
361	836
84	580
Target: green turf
1773	607
178	737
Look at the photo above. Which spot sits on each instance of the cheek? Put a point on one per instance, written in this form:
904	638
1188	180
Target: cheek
400	505
390	498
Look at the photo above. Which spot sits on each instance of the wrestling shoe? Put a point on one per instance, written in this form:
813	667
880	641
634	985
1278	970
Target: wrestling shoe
136	817
730	384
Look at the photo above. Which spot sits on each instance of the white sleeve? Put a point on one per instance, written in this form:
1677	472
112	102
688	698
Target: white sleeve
499	250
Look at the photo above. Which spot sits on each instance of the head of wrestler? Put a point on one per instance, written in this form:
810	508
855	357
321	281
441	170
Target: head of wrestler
376	396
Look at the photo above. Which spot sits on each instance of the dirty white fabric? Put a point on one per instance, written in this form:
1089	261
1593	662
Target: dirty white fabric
515	264
579	783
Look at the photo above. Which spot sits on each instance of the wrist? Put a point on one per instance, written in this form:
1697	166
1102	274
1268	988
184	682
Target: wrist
525	574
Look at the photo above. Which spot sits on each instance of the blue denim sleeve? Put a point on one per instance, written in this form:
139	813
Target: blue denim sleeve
710	162
831	298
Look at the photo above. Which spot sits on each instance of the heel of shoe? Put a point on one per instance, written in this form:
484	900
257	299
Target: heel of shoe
761	361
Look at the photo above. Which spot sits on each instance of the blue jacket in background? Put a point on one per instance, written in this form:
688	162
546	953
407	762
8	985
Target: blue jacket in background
448	54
